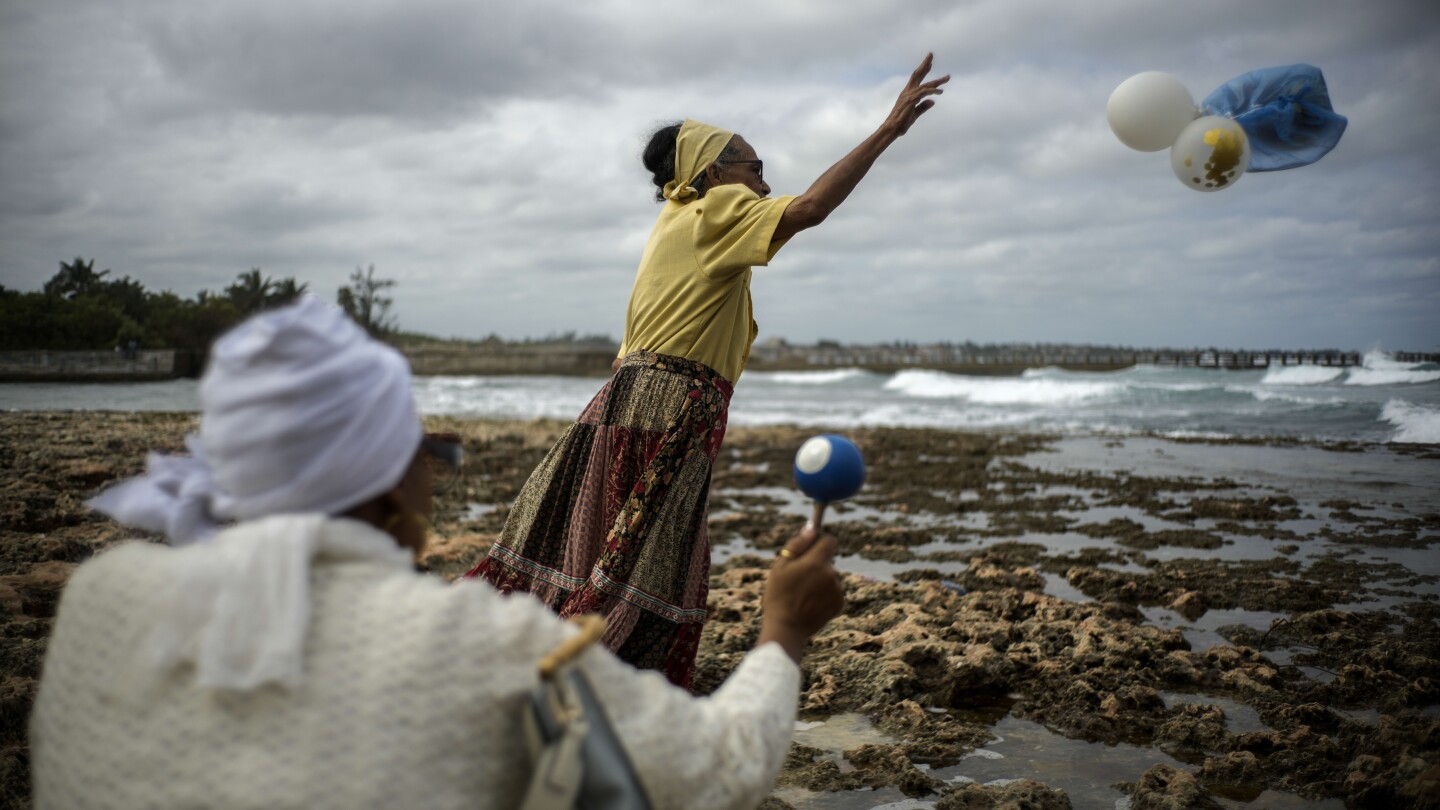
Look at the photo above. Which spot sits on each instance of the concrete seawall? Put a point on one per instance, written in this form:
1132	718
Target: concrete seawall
460	362
96	366
168	364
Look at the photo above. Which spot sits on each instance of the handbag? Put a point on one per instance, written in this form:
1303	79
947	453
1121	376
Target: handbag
579	763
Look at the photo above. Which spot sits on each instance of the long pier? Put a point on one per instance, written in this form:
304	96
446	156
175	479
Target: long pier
1250	360
1000	360
469	359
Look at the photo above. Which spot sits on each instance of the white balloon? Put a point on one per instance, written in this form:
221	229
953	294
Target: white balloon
1149	109
1210	154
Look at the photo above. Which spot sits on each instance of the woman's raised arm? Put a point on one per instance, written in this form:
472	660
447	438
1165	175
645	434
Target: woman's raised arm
832	187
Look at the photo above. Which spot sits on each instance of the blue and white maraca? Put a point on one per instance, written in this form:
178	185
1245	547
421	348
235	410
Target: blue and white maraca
828	468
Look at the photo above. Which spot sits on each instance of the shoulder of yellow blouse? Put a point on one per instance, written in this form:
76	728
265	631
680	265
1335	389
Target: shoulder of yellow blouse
731	191
726	202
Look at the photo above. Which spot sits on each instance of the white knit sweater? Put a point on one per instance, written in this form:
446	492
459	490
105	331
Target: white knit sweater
411	697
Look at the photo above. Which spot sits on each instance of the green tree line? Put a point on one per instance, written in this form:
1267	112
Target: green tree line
80	309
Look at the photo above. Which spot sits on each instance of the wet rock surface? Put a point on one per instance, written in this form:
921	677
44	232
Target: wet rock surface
979	586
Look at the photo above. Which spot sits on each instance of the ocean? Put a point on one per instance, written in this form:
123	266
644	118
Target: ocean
1382	401
1115	423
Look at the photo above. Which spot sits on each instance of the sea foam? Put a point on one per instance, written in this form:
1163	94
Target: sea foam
826	377
1378	368
1298	399
1413	423
1380	361
997	390
1390	376
1301	375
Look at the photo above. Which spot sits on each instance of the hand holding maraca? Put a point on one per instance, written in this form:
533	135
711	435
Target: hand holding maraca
803	591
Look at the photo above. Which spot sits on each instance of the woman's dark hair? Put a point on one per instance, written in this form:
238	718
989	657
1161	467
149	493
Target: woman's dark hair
659	160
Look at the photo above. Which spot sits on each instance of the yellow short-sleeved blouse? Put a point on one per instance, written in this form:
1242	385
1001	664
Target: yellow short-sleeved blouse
692	291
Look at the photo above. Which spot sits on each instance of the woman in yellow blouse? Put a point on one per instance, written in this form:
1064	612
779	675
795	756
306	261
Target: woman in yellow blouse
613	521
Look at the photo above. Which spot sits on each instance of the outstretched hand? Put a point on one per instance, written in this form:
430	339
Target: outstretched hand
831	188
803	592
914	99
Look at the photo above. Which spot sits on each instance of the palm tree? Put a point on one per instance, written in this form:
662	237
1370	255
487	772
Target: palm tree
250	292
75	279
285	291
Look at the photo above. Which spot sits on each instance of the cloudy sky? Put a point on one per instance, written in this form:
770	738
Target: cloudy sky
485	155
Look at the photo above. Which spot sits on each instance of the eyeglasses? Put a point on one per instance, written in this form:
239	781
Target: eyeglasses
758	164
445	456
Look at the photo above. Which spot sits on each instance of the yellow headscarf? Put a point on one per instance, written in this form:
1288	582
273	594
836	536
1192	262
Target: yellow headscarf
696	147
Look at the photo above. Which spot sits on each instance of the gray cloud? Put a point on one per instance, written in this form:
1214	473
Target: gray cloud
407	60
485	156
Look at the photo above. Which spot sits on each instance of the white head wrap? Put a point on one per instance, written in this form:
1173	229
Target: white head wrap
301	412
303	416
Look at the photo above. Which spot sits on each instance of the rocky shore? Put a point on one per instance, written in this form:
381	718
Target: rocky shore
983	589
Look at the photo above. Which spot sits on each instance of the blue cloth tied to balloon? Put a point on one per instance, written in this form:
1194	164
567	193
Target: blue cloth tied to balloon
1286	113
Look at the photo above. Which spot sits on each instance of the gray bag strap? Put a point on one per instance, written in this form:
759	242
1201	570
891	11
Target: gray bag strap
559	769
579	761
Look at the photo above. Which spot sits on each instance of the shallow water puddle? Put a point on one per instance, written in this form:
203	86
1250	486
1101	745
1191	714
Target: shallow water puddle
1084	770
835	735
1239	718
1416	560
885	571
733	547
1370	717
1051	542
1105	514
1060	588
1304	472
1236	548
789	500
1203	632
1272	800
1285	657
1022	750
1087	770
883	799
881	570
841	732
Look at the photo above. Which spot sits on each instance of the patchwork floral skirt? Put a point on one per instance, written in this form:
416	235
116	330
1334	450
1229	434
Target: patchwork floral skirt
613	521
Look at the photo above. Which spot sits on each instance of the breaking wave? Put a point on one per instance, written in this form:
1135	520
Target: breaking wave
1413	423
1301	375
998	390
826	377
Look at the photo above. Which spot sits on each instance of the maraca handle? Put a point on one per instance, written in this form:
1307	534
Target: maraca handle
818	515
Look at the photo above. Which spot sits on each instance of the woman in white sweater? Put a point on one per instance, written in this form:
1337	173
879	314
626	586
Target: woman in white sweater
283	652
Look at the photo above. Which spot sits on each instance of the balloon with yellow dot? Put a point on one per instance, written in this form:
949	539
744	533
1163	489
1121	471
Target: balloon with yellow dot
1210	153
